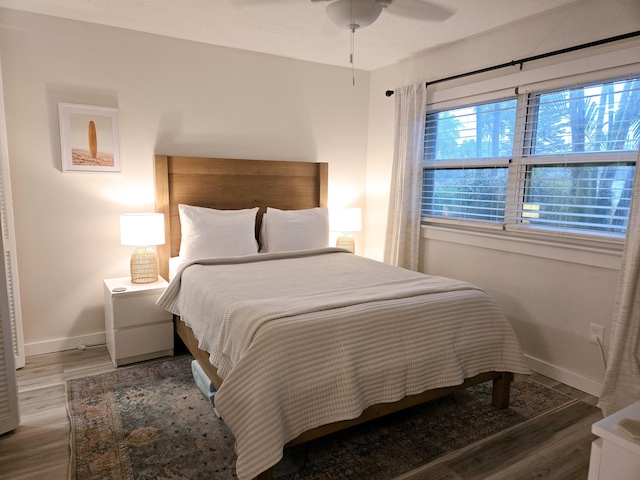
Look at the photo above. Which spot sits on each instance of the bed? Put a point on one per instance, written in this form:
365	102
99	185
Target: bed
328	383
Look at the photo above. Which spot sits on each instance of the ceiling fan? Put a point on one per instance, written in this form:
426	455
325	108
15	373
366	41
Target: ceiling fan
354	14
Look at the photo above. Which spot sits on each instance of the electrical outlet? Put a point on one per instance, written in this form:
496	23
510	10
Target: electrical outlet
596	332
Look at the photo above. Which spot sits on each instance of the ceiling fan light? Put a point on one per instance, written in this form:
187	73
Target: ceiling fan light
354	13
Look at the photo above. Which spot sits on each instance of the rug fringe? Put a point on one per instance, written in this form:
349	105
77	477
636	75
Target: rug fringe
71	475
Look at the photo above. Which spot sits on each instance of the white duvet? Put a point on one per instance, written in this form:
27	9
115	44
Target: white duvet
310	338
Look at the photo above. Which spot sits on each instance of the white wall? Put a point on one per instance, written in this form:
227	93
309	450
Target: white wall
550	294
174	97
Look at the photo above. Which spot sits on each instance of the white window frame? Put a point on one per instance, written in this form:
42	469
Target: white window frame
596	68
470	163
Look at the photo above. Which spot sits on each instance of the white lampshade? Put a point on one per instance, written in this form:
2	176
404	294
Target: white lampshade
141	229
345	219
353	13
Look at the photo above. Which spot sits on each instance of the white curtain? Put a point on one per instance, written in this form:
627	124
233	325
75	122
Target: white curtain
403	223
622	377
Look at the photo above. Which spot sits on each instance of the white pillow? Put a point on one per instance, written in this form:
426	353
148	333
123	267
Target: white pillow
289	230
207	232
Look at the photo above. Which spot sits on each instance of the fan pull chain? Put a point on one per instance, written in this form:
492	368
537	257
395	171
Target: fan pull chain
353	71
352	27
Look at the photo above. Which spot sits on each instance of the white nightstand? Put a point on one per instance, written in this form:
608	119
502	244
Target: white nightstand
137	329
615	455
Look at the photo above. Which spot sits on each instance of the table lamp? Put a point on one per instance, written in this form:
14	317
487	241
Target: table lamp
142	230
345	221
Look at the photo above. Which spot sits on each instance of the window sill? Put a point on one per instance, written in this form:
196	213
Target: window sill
603	254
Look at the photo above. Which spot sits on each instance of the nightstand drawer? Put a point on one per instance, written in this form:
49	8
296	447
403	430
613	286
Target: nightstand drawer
140	309
138	341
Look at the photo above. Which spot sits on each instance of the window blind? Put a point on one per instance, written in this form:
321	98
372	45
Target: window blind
467	151
581	156
561	159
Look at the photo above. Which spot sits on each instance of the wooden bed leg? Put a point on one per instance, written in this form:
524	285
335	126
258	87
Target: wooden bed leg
501	390
266	475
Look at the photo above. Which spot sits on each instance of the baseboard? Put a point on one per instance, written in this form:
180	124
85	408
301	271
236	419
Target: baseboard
561	375
62	344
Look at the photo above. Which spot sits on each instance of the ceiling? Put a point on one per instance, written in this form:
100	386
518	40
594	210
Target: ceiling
296	29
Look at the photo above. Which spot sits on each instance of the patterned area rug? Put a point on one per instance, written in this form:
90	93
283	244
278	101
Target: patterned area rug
150	421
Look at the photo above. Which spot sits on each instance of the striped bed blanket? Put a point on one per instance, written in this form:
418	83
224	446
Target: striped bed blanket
305	339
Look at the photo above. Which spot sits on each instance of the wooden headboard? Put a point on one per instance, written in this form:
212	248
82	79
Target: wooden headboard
228	184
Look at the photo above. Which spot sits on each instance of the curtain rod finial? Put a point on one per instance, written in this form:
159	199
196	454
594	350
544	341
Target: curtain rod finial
388	93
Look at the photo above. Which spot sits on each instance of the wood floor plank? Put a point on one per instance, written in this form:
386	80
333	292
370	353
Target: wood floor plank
516	444
530	468
40	399
572	451
53	471
437	471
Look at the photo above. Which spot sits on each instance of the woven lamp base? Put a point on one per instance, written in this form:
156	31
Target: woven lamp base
144	265
346	241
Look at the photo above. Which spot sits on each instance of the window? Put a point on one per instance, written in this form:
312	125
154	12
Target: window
567	166
467	153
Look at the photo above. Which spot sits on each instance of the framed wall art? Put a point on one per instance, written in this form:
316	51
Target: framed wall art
89	138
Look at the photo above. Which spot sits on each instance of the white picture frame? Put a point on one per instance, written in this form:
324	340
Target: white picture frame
89	138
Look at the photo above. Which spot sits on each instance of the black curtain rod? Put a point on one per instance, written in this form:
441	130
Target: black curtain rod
520	62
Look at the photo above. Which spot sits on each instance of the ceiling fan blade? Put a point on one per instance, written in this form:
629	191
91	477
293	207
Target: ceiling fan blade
419	10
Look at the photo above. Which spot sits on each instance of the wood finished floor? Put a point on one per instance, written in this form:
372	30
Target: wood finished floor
553	447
